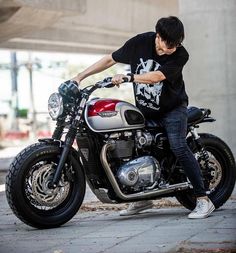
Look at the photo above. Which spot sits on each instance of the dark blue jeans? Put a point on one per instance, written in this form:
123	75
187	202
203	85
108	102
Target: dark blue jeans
175	124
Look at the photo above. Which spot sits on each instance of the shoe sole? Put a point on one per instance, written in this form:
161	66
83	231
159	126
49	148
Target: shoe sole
136	211
205	215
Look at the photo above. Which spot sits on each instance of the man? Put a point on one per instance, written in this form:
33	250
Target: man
157	60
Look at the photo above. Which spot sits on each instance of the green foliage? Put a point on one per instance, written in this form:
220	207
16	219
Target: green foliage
22	113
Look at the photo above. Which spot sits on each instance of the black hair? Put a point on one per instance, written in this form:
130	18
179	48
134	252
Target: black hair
171	30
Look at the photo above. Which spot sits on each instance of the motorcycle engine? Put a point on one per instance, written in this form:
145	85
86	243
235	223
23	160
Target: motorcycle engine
140	173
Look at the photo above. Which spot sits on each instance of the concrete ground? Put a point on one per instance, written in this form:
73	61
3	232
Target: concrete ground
98	228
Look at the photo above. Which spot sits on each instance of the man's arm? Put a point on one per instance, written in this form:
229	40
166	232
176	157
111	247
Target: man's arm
105	63
150	77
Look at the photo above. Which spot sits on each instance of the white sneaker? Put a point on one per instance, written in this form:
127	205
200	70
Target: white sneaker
137	207
202	210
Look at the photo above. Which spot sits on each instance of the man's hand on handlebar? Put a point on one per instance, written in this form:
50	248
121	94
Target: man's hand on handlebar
120	78
76	79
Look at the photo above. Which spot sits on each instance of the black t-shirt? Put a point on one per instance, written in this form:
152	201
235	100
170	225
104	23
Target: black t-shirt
154	100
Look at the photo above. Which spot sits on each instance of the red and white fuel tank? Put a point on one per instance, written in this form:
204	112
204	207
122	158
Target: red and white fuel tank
107	115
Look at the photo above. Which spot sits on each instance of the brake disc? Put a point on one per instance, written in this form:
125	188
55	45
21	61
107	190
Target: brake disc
41	192
215	170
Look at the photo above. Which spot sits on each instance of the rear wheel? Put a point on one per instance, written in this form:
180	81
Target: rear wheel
28	192
220	175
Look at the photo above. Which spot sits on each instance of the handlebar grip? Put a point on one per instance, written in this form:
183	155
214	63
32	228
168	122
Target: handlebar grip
107	82
107	79
110	85
125	79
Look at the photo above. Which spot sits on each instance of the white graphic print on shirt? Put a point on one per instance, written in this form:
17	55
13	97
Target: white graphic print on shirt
148	95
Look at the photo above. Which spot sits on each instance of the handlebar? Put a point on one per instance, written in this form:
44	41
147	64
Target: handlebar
70	88
107	83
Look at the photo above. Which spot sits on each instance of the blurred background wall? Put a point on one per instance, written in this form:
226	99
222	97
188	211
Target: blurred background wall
210	74
100	27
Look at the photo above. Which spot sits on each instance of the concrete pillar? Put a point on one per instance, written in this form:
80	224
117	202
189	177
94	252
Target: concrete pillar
210	74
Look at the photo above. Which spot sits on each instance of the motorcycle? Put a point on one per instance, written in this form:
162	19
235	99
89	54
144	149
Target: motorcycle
121	156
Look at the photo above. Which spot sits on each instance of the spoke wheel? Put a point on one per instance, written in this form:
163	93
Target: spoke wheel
28	192
219	173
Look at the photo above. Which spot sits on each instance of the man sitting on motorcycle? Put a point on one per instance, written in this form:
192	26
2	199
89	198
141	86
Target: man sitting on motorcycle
157	60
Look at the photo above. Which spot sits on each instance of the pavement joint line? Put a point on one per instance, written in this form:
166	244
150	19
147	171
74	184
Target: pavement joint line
187	240
132	236
122	241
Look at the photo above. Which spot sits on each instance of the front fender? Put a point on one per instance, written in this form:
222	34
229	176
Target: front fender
73	152
51	141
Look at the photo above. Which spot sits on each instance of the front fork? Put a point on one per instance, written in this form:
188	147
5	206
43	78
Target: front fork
69	140
66	149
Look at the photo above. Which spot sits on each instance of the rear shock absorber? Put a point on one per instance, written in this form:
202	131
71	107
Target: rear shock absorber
200	147
204	156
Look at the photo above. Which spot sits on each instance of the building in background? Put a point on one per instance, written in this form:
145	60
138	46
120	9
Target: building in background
102	26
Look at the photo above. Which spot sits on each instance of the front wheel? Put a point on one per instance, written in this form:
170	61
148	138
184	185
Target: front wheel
28	192
220	179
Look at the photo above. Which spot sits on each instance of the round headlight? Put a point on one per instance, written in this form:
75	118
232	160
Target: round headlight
55	105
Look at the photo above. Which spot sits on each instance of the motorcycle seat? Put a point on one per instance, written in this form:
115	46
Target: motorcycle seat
194	114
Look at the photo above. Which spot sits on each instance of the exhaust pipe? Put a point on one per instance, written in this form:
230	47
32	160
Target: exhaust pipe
135	196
